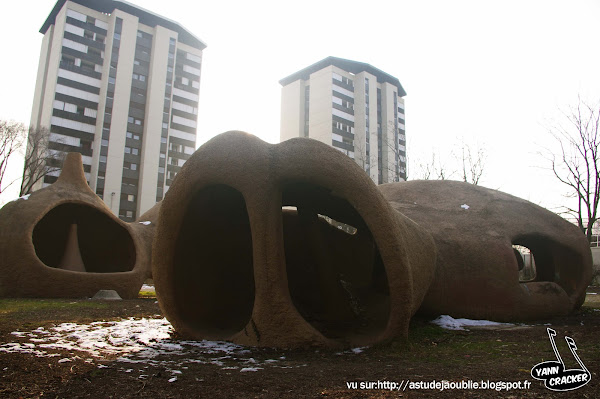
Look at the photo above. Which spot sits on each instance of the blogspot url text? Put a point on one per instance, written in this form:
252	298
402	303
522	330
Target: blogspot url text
441	385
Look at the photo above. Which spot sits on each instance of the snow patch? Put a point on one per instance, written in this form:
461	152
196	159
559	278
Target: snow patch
146	342
24	198
465	206
451	323
146	223
246	369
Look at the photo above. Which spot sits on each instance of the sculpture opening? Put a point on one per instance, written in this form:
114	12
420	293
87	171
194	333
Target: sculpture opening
213	269
552	261
77	237
336	278
525	263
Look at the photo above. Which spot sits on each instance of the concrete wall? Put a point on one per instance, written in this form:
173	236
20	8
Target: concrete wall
292	110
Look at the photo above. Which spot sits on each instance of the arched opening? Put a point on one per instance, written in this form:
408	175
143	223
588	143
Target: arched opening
525	263
552	261
336	278
213	270
78	237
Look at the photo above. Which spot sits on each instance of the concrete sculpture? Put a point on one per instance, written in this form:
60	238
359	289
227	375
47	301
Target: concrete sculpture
243	251
62	241
474	229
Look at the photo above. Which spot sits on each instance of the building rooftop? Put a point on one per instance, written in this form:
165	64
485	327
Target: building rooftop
346	65
146	17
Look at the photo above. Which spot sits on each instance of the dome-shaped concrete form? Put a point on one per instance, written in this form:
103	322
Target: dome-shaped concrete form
254	245
474	229
145	227
63	242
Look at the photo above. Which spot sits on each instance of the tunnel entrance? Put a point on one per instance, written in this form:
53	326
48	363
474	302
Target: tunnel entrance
336	278
552	262
78	237
525	262
213	270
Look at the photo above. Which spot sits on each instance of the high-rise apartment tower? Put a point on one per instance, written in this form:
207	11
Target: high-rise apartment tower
353	107
120	85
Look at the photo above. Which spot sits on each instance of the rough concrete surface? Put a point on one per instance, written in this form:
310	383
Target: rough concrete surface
230	263
63	242
474	229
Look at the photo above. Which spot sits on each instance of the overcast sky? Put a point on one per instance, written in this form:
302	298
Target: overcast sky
490	73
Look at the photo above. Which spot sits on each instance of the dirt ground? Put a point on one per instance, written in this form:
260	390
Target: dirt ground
432	354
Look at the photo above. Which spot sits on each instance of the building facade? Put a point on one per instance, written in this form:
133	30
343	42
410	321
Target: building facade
353	107
120	85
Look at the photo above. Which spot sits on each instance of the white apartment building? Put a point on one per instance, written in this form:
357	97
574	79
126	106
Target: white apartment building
353	107
120	85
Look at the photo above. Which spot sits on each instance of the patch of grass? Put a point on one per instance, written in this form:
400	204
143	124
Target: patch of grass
147	294
11	306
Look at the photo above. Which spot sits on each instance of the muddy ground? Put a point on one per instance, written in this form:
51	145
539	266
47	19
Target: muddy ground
432	354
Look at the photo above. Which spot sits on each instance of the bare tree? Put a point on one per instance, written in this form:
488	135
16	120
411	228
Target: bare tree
40	159
360	154
12	135
467	161
395	151
576	165
472	163
434	169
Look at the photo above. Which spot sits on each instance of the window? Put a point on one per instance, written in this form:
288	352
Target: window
161	169
95	52
129	135
104	143
130	197
138	122
136	137
129	165
103	158
127	150
163	140
134	151
129	214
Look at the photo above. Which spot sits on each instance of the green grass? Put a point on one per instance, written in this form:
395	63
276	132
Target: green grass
10	306
147	294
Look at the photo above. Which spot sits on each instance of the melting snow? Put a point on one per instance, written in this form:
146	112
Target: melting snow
353	350
465	206
134	341
451	323
146	223
25	198
246	369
